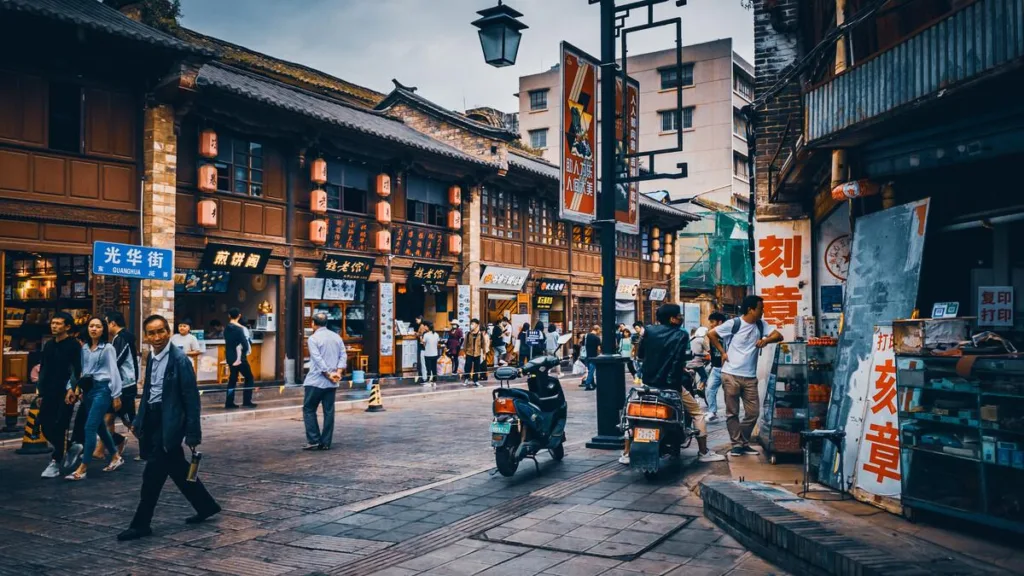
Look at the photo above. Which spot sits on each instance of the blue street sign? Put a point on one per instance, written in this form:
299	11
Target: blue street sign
143	262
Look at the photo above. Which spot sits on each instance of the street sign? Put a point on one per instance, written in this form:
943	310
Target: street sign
130	261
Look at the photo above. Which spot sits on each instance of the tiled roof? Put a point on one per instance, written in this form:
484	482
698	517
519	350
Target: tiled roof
648	203
95	15
295	100
408	95
532	164
287	72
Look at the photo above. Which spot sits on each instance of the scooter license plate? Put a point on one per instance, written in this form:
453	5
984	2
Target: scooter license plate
645	434
501	427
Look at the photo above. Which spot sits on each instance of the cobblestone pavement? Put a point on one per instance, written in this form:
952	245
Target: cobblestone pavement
406	491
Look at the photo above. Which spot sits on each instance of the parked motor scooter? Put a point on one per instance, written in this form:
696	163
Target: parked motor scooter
528	421
658	428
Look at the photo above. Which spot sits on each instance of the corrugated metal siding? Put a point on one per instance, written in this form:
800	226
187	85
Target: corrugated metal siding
974	40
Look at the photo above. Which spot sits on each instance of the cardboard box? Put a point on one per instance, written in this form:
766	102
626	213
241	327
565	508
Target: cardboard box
990	413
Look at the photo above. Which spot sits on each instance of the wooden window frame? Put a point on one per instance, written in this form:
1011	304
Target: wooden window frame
543	226
254	165
501	214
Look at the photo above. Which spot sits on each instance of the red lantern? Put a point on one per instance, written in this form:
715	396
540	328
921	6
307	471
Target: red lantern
454	244
383	185
318	232
208	178
318	202
856	189
206	214
208	143
382	241
655	245
384	212
318	171
455	196
656	267
454	219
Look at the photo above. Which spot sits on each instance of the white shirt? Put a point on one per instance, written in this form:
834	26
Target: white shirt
742	350
187	343
430	340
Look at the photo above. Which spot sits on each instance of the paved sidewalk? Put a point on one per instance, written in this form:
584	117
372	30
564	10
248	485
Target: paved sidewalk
406	491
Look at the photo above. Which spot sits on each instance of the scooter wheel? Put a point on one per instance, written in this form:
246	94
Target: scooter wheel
558	452
506	464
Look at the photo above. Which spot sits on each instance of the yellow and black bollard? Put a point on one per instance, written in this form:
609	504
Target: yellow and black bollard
32	440
376	403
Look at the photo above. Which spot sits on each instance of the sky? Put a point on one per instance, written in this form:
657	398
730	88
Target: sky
431	44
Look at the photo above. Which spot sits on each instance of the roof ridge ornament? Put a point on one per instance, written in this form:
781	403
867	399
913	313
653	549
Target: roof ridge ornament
400	86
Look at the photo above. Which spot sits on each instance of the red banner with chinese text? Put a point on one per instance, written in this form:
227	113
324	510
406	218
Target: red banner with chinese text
782	272
878	463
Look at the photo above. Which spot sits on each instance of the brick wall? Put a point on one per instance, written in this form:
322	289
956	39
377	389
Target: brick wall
160	149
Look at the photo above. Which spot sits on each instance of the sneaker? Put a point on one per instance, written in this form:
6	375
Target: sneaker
426	385
624	459
52	471
737	452
748	451
478	385
710	456
711	417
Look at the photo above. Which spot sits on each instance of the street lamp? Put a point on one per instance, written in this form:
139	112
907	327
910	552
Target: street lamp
500	33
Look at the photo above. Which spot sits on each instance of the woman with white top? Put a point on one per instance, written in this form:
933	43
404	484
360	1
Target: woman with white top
431	340
99	365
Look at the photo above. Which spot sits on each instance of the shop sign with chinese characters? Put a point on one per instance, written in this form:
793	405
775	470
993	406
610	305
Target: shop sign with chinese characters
432	274
782	273
627	289
550	286
344	233
498	278
235	258
346	267
129	261
878	462
995	306
544	302
658	294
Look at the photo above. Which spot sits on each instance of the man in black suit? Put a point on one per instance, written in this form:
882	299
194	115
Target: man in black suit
236	354
168	414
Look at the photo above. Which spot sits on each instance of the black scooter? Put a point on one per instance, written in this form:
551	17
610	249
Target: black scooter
658	428
527	422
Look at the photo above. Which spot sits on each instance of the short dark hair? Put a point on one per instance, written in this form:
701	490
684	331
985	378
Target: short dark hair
666	312
68	320
234	313
717	317
155	317
638	325
474	321
117	318
186	321
320	319
750	303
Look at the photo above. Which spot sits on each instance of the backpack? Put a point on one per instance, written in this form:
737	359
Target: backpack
715	357
497	338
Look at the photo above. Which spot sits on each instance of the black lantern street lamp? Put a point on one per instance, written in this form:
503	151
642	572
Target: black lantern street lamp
500	33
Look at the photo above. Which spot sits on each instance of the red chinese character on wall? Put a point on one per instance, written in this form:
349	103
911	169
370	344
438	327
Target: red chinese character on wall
885	388
781	304
884	342
777	256
884	455
988	297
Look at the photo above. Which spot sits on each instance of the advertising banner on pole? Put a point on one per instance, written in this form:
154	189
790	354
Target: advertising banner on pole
627	136
578	196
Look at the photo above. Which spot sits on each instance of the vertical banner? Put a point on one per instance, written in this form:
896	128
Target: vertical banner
578	197
782	275
877	475
463	306
387	319
627	139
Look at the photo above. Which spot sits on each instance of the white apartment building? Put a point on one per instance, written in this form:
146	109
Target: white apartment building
716	84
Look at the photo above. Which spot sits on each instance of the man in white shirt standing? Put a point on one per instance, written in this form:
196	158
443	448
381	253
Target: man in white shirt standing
327	361
739	369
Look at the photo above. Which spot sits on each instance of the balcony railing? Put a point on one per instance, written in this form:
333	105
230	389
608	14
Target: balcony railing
971	42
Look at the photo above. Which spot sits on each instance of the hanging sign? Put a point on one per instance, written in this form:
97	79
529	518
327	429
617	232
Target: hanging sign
627	135
995	306
235	258
878	463
578	196
498	278
346	267
387	319
627	289
431	274
463	305
550	286
344	233
658	294
129	261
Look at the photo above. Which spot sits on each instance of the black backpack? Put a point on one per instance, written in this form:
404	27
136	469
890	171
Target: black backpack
497	338
716	358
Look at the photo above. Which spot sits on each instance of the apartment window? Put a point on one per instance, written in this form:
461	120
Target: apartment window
585	239
240	166
65	126
539	138
425	201
499	214
347	187
674	77
743	87
671	119
543	226
627	245
739	166
739	124
539	99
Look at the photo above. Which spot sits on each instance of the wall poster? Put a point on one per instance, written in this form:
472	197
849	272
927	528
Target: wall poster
578	197
463	306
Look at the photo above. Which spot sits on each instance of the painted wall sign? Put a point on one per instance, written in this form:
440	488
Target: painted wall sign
499	278
627	135
235	258
878	462
130	261
432	274
995	305
343	267
782	275
627	289
578	197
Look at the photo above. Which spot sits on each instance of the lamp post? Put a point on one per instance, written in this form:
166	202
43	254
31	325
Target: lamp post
500	33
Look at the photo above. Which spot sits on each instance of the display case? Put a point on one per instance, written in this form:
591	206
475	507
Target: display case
797	396
962	437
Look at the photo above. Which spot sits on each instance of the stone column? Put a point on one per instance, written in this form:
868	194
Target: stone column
160	168
471	251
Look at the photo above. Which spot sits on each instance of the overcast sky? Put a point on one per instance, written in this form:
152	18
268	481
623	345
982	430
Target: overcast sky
430	44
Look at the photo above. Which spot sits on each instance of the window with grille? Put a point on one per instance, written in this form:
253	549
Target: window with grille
347	187
425	201
674	77
627	245
538	99
240	166
499	214
585	239
543	226
743	87
539	138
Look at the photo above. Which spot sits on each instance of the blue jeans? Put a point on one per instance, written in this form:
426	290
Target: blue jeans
714	383
591	375
99	402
